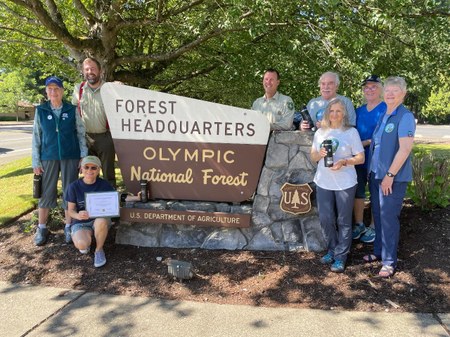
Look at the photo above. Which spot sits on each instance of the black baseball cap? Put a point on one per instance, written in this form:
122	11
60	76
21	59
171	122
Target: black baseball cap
371	78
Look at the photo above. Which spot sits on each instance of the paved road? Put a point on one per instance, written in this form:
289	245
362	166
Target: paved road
433	132
15	141
15	138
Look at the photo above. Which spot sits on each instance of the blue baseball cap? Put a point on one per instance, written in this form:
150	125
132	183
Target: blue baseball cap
55	80
371	78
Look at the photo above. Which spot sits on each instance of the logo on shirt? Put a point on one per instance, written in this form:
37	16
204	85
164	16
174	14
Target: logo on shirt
65	115
389	128
319	114
335	144
290	105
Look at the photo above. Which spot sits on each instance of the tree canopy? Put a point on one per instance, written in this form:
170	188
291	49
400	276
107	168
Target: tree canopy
16	87
217	50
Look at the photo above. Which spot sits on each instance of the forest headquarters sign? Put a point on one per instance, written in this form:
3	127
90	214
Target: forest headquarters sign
185	148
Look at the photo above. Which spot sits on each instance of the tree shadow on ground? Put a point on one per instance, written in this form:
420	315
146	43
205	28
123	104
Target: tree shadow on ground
261	278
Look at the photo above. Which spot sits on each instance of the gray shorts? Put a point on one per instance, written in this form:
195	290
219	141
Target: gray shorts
52	168
86	226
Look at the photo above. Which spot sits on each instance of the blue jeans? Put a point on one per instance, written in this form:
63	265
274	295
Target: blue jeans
335	214
386	215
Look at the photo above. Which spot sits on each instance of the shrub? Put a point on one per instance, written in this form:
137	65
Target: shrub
431	186
437	110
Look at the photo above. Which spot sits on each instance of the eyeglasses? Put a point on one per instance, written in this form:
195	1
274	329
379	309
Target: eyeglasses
93	168
370	88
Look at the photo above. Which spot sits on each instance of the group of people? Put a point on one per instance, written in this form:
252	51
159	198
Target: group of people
69	138
73	138
370	145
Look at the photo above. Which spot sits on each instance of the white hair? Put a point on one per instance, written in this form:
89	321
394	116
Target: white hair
397	81
330	73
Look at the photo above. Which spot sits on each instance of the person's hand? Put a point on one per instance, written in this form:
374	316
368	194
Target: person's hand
323	152
338	165
305	126
38	170
83	215
386	185
366	142
318	124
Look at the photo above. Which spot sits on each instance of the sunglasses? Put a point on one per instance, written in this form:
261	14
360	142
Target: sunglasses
93	168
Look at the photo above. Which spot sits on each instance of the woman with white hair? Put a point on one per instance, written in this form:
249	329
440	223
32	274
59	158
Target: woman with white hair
390	172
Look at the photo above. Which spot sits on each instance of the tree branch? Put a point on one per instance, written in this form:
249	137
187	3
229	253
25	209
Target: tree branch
383	32
90	19
53	24
146	77
160	16
178	52
46	51
19	16
426	14
28	35
54	13
184	8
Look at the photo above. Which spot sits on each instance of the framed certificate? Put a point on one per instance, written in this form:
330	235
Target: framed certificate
102	204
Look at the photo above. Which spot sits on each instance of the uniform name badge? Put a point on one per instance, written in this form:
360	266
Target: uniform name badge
102	204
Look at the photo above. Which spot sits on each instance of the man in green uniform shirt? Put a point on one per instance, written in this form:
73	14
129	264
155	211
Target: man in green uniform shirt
278	108
86	96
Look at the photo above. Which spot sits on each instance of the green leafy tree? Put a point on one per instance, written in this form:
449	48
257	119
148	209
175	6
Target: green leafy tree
218	49
17	86
437	110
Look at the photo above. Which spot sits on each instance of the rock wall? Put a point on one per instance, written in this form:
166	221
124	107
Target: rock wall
287	160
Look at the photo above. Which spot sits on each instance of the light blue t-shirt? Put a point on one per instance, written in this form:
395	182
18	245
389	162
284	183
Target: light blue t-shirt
406	124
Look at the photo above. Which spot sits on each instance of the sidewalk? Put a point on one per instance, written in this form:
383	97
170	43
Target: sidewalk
44	311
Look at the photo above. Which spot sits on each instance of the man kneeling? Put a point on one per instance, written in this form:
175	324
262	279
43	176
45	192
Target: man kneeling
83	227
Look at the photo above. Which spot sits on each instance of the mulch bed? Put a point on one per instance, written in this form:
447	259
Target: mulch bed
274	279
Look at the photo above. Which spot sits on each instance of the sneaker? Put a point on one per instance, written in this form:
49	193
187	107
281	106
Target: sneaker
358	230
338	266
368	236
67	235
41	236
327	259
99	259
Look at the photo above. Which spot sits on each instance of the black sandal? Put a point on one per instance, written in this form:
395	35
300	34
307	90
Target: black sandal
370	258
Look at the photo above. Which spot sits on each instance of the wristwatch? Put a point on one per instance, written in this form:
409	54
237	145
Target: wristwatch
389	174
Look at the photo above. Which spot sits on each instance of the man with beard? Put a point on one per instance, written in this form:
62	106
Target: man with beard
86	96
328	84
278	108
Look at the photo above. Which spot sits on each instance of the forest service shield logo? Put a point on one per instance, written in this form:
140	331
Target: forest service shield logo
296	199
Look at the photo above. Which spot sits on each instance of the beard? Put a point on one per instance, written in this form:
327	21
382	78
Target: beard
92	79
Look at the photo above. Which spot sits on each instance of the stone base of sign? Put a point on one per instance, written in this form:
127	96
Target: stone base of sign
287	160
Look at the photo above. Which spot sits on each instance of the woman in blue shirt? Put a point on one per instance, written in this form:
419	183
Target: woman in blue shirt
390	171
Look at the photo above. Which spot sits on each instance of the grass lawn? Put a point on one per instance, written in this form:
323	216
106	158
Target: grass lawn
16	181
16	184
438	150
